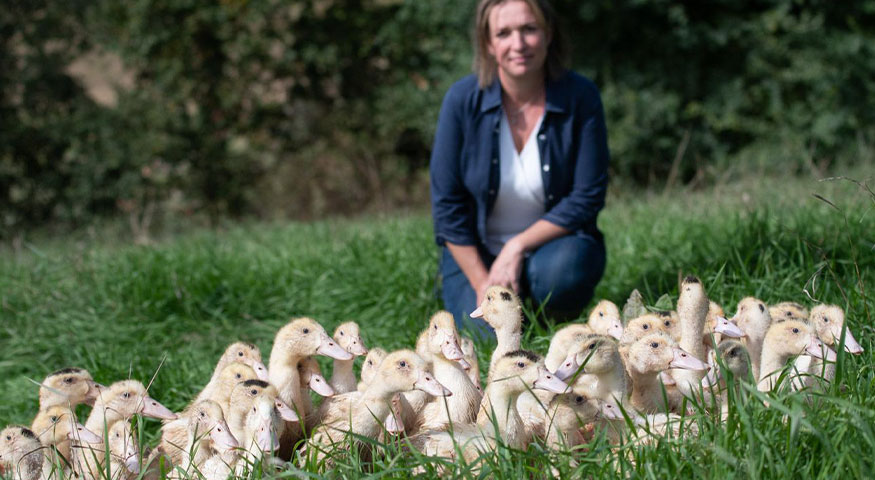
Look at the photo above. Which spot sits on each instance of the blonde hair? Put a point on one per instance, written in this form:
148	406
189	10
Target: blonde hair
485	66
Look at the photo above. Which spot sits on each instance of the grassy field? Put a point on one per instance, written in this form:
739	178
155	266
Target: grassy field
168	310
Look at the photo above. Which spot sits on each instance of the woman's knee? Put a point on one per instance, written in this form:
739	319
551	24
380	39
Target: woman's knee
565	271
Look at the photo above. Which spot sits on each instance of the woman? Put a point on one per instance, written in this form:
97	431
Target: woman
519	169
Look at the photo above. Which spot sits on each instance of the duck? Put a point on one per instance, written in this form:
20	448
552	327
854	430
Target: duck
242	352
369	367
669	322
595	368
257	418
312	378
118	402
828	322
730	356
124	453
569	412
753	319
788	311
348	337
21	456
57	428
604	319
220	386
644	325
784	340
68	387
363	413
647	357
514	373
298	339
470	357
717	326
205	435
440	342
562	341
692	306
502	310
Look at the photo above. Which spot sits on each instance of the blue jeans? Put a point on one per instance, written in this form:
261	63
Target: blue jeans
563	272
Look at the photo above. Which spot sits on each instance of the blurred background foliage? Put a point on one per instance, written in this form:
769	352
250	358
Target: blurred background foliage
157	109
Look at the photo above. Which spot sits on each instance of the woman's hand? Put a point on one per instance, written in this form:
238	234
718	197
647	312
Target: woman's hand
508	266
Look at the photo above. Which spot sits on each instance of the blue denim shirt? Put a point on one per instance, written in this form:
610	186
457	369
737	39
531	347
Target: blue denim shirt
465	166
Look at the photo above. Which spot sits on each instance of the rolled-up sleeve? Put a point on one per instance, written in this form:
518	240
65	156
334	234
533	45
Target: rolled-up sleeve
582	204
452	205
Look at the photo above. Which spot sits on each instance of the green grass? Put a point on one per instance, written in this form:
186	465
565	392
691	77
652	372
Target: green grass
126	311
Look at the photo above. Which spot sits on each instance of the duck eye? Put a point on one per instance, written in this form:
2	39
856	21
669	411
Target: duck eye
645	326
253	391
825	319
601	314
521	364
667	324
341	333
9	437
591	346
239	354
68	380
789	314
370	362
579	399
795	330
238	375
126	395
203	414
402	364
306	331
654	345
54	419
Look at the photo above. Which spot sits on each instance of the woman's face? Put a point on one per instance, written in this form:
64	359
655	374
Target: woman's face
516	40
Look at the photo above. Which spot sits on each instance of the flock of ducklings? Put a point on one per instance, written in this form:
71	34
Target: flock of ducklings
597	376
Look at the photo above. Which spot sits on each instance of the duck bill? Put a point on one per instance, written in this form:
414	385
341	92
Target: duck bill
817	349
568	368
611	411
851	344
464	364
427	383
132	463
83	435
357	348
222	437
266	438
686	361
393	424
616	330
319	385
478	313
329	348
666	378
549	382
450	346
286	413
94	391
151	408
712	378
728	328
260	370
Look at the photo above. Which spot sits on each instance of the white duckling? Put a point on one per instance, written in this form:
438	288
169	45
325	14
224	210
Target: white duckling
369	367
242	404
206	434
595	368
300	338
788	311
730	356
502	310
348	337
124	453
473	365
754	320
243	352
219	388
312	378
514	373
21	455
57	428
363	413
440	341
68	387
783	341
718	327
569	413
828	322
693	308
562	341
604	319
646	358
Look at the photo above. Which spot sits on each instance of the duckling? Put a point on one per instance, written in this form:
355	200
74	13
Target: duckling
348	337
257	419
243	352
569	412
69	387
441	342
502	310
312	378
784	340
562	341
205	434
298	339
735	358
120	401
369	367
595	368
669	322
514	373
219	388
57	428
21	456
693	308
646	358
788	311
754	320
604	319
718	326
828	322
470	356
124	452
362	413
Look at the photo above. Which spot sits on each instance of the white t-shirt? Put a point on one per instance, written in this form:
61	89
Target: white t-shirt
520	201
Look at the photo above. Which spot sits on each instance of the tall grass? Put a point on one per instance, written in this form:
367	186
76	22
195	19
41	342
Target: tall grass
168	310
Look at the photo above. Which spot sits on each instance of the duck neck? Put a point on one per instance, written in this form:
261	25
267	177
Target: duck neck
754	336
773	360
646	390
342	375
499	403
509	339
612	381
283	372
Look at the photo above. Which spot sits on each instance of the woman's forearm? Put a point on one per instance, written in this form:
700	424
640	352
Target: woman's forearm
469	261
538	233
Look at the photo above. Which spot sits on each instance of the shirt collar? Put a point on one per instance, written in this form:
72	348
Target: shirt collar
556	100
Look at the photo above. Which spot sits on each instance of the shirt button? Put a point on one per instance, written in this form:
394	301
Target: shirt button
494	161
542	137
547	168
